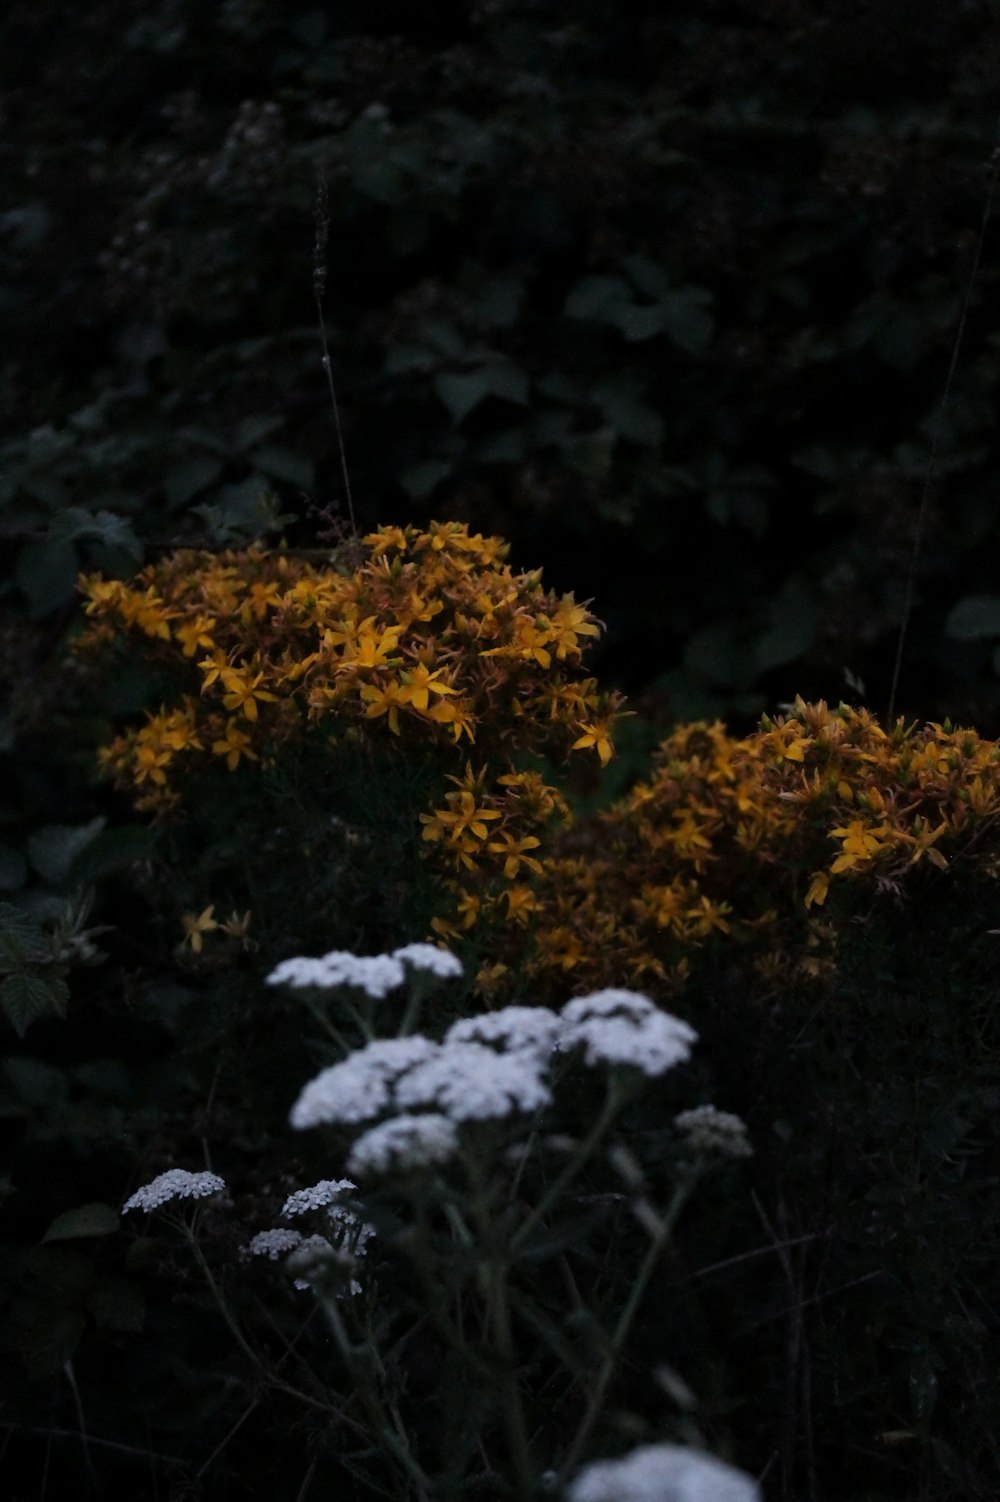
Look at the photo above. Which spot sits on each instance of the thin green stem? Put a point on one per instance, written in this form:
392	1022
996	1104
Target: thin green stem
622	1329
612	1105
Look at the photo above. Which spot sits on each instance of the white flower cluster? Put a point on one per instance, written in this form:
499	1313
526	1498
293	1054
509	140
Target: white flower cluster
175	1184
430	959
470	1082
513	1029
272	1244
625	1028
316	1197
488	1068
359	1088
710	1131
375	974
404	1142
663	1473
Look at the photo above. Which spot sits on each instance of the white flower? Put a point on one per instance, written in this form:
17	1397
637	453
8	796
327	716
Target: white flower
358	1088
271	1244
375	974
299	972
711	1131
663	1473
470	1082
175	1184
439	962
514	1029
316	1197
625	1028
404	1142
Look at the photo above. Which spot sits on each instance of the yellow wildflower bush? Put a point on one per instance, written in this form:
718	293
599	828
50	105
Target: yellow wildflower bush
426	640
749	840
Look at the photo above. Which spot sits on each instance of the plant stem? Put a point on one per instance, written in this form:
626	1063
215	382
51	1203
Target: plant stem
621	1330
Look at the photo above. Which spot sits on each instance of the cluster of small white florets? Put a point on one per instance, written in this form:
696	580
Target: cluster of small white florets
710	1131
175	1184
375	974
347	1235
663	1473
488	1068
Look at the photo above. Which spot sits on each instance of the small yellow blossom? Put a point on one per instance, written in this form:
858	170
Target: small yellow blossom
196	926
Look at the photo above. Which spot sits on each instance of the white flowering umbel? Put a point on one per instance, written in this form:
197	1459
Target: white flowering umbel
316	1197
175	1184
714	1133
359	1088
625	1028
533	1030
470	1082
663	1473
405	1144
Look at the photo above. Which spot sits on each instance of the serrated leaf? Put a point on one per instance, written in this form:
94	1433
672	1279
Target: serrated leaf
118	1304
95	1219
974	618
25	998
22	941
53	848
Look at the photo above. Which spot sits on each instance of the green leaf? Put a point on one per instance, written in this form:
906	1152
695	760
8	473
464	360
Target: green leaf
252	430
284	464
462	393
974	618
686	318
95	1219
53	848
25	998
13	869
598	298
46	575
792	629
189	479
22	941
113	850
118	1304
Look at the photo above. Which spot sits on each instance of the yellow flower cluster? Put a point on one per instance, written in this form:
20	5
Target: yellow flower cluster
746	838
426	636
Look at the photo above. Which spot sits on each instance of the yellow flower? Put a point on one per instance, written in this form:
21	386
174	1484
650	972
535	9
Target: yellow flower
234	744
384	701
196	926
243	692
818	888
418	683
860	845
196	633
596	733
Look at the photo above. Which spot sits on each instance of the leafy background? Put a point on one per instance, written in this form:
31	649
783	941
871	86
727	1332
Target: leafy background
667	296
